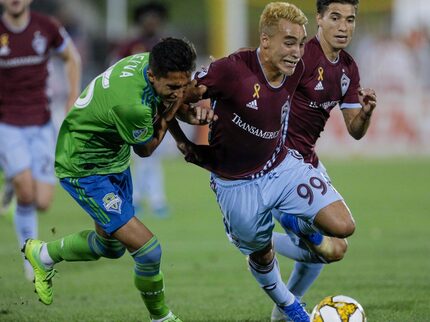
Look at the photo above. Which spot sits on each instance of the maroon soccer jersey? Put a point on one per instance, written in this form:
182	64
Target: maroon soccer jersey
248	137
23	69
324	84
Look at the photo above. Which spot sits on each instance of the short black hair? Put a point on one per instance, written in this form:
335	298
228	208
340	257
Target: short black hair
322	5
172	55
151	7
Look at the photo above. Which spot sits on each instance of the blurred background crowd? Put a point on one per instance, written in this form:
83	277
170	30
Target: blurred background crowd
391	46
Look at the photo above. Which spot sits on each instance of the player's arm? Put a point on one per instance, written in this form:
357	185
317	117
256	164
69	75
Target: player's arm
201	155
72	64
357	120
147	148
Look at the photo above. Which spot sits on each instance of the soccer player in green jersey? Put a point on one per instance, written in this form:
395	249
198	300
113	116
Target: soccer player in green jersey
131	104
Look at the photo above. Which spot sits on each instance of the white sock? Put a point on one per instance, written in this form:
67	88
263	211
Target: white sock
271	282
45	258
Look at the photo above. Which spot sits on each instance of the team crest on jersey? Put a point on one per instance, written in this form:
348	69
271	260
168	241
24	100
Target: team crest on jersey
204	71
344	83
39	43
4	45
139	133
112	202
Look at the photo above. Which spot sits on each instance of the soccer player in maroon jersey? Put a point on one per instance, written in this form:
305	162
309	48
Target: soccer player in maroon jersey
253	172
27	136
331	78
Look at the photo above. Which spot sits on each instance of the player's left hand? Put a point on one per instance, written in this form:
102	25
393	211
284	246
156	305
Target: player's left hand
367	98
199	113
194	93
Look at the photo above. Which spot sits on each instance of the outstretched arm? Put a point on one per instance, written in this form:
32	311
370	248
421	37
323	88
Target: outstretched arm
357	120
72	62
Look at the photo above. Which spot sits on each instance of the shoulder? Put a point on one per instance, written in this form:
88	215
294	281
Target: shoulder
313	54
43	19
222	67
347	59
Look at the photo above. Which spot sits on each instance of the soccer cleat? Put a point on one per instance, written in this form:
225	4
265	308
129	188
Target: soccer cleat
290	222
168	318
295	312
42	276
279	316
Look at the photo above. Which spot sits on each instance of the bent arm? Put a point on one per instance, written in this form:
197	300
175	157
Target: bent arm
146	149
357	120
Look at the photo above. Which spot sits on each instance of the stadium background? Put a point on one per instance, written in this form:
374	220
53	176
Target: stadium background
383	177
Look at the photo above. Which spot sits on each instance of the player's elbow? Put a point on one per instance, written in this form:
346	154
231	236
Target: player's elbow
357	135
142	151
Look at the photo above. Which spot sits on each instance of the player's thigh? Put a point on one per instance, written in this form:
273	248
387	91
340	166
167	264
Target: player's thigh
15	156
302	190
247	221
23	184
336	220
42	150
106	198
337	217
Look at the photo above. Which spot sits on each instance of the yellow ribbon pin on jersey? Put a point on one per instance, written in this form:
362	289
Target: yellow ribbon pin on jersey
320	73
256	91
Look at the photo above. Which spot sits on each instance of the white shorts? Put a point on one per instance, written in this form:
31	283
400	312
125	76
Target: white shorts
28	147
293	187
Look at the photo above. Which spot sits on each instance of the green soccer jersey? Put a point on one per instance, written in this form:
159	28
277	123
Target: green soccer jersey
115	111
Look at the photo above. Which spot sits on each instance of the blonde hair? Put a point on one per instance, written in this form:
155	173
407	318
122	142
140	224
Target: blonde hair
275	11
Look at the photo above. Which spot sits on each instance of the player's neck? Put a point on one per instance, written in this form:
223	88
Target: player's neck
18	22
330	53
273	75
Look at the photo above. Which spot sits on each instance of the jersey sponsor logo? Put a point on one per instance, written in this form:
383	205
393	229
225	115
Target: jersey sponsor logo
112	202
319	86
140	132
22	61
4	45
252	104
344	83
268	135
325	105
39	43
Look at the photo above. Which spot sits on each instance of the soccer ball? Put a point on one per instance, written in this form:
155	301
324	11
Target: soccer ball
339	308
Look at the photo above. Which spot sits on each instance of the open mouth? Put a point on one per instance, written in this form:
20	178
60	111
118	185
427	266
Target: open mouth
341	39
290	63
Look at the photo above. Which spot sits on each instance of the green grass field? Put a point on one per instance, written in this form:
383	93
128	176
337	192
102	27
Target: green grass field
386	269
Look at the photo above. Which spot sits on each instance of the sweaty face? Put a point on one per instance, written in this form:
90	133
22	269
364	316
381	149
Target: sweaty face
15	7
336	25
286	46
172	87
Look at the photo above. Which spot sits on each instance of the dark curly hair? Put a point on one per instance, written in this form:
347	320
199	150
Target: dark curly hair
172	55
322	5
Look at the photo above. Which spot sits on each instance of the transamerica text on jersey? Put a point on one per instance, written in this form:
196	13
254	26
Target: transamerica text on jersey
252	129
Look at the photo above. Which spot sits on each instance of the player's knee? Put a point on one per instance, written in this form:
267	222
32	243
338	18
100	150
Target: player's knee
337	250
264	256
108	248
43	205
147	258
345	228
